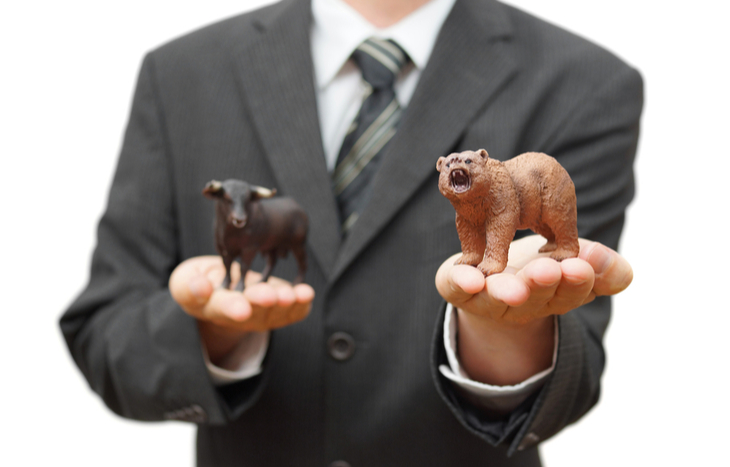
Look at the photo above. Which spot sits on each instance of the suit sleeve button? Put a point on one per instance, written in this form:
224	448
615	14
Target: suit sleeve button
341	346
529	440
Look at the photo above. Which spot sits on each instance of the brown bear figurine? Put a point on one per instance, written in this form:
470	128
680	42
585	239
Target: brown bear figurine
493	199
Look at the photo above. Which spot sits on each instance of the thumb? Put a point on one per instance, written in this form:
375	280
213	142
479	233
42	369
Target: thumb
613	271
191	289
458	283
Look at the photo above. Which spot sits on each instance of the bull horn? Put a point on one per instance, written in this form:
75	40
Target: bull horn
213	188
262	192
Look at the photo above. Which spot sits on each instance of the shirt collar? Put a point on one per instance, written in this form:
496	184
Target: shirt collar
338	29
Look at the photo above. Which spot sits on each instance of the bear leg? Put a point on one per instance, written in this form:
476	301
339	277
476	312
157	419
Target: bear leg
473	242
565	239
499	236
546	232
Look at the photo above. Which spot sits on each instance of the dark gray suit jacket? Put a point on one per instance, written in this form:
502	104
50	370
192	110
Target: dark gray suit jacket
237	100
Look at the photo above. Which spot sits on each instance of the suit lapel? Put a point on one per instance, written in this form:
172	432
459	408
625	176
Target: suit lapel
470	63
278	85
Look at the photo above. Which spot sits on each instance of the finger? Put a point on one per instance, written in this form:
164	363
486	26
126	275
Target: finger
274	280
524	250
280	316
200	289
253	277
188	284
613	272
501	291
304	294
575	287
191	293
226	307
457	284
505	290
278	304
542	277
303	305
261	294
285	296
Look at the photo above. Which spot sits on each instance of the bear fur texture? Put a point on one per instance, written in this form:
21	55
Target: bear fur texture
494	199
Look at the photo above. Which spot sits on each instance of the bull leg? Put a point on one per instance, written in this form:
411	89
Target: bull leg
300	253
270	263
227	262
246	259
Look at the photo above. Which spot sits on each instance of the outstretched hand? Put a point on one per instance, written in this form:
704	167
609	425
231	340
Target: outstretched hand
534	286
223	315
505	325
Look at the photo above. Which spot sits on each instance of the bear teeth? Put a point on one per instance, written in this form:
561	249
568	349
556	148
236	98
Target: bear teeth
459	180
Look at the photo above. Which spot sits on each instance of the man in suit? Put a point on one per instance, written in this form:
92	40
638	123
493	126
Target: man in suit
368	378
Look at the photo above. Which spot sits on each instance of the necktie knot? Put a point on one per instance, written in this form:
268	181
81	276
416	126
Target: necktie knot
380	61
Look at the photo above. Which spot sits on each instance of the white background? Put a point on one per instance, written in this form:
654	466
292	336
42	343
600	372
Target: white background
67	72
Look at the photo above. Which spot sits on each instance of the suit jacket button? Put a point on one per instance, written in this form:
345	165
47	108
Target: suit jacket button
341	346
339	464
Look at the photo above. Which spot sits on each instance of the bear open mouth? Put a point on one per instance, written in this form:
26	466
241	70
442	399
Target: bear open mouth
460	180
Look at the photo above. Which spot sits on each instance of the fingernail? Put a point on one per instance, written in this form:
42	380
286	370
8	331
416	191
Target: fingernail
602	258
576	281
198	288
545	283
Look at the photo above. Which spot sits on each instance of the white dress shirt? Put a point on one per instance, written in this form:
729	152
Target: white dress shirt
337	30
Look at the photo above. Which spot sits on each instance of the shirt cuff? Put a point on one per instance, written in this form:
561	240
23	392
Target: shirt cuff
243	362
501	399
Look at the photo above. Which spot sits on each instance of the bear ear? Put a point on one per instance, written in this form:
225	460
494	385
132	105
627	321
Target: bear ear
439	163
483	153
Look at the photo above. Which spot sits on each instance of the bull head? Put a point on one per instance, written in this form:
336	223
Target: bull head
233	197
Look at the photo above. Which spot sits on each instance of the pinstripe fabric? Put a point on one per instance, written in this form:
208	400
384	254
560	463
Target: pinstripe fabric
380	62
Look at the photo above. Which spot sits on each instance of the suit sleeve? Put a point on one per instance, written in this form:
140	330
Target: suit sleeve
137	349
596	142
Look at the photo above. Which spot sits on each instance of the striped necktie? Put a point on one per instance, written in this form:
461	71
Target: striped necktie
380	61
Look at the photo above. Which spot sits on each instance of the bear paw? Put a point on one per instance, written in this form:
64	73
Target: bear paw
469	259
548	247
489	267
563	253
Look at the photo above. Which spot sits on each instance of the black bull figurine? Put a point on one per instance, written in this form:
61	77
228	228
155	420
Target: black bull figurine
248	220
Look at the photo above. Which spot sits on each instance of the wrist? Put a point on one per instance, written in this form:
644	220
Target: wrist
504	353
219	341
502	332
